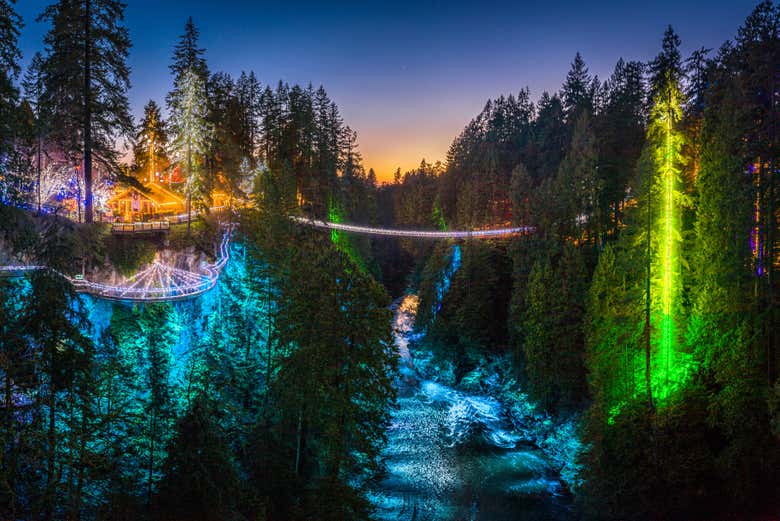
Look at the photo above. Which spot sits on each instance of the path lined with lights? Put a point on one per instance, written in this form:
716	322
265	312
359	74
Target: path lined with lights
156	283
415	234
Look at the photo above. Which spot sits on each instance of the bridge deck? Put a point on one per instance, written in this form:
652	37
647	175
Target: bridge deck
416	234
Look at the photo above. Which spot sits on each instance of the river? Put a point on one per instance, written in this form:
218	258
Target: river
452	455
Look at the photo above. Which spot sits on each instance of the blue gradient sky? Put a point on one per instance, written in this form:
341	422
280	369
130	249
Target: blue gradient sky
407	75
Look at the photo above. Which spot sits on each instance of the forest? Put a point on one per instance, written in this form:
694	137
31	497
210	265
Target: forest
621	361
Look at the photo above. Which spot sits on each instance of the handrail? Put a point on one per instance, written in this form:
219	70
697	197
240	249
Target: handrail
136	227
415	234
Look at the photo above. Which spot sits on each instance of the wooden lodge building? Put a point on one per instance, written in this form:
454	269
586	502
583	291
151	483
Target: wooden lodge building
132	204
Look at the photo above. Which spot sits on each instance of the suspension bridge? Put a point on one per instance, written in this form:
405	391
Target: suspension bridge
416	234
162	283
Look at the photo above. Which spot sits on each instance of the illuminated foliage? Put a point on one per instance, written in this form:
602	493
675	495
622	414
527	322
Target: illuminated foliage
667	199
190	131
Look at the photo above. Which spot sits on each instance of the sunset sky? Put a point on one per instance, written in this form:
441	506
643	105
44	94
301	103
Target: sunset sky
407	75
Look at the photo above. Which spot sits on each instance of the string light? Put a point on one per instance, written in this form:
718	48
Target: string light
416	234
158	282
161	282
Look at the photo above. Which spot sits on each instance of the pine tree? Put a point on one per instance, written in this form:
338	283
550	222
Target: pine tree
191	133
86	83
621	135
666	68
250	96
553	343
17	367
199	479
151	145
578	186
664	200
188	109
333	385
12	183
33	84
188	56
550	137
576	93
733	322
230	151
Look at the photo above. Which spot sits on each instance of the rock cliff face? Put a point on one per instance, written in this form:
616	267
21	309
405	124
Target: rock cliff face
188	259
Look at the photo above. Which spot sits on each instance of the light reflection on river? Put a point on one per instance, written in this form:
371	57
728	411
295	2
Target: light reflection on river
453	456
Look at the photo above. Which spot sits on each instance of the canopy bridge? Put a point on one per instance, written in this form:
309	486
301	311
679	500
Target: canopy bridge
157	283
161	282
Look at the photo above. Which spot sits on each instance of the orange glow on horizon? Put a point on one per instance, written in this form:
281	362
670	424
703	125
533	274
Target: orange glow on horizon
404	150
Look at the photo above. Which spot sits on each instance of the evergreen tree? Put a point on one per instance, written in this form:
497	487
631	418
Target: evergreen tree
188	56
230	151
12	182
577	93
86	82
666	68
621	134
33	84
250	96
733	327
191	132
664	201
334	378
199	478
550	138
578	186
553	342
150	150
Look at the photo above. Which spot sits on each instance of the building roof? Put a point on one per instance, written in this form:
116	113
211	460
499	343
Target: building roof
156	193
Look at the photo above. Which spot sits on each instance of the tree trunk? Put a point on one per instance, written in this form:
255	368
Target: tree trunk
52	440
151	459
87	117
38	167
82	464
9	469
298	441
647	298
189	188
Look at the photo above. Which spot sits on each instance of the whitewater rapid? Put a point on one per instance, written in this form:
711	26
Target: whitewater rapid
453	455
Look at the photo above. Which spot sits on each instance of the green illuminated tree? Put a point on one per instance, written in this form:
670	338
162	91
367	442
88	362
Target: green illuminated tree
662	199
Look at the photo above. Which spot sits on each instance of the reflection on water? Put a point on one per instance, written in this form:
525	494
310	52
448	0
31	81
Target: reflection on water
453	456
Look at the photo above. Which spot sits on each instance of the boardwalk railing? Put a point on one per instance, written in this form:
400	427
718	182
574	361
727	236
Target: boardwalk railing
140	227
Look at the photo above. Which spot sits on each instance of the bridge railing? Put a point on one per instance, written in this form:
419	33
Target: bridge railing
140	227
416	234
